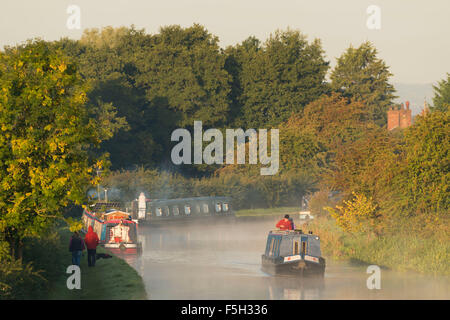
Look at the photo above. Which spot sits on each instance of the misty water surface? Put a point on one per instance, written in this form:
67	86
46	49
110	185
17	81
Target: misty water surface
222	260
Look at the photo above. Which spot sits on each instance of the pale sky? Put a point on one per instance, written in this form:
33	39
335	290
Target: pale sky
413	39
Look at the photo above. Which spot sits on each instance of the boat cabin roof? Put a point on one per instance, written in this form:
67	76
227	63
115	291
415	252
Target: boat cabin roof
291	242
120	221
187	200
99	206
290	232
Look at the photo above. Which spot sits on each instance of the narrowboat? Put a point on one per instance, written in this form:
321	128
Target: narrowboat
292	252
152	211
115	230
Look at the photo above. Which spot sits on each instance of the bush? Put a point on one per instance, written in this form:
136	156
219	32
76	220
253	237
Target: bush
319	201
355	215
30	277
18	280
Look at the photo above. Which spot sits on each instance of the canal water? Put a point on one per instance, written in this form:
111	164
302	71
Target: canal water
205	260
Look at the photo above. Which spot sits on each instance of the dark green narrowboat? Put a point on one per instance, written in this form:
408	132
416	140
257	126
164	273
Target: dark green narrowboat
293	252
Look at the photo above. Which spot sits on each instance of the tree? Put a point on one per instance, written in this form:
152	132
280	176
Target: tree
280	78
182	70
365	164
46	135
361	75
427	164
157	83
337	120
441	99
106	58
237	58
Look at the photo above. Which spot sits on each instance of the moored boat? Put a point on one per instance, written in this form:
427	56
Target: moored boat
156	211
115	230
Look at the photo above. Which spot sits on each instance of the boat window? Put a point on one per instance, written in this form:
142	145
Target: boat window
175	211
304	247
187	210
166	211
296	248
272	242
225	207
276	248
197	208
218	207
205	208
158	212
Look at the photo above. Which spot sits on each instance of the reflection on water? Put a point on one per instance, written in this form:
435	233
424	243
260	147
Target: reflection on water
294	288
223	261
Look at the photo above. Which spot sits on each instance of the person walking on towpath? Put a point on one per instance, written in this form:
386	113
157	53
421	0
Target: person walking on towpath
76	246
91	240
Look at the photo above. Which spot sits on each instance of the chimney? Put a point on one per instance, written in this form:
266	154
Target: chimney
407	105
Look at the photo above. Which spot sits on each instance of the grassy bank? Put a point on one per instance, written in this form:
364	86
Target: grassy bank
42	273
403	252
281	211
110	278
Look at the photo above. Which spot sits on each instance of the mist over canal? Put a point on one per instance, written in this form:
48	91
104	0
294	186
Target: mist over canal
222	260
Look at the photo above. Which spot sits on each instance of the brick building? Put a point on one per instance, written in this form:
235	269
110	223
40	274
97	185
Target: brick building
399	117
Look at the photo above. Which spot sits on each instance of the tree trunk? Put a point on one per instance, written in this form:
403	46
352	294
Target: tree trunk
15	246
12	246
19	251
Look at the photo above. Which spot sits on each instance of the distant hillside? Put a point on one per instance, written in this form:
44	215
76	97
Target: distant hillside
415	94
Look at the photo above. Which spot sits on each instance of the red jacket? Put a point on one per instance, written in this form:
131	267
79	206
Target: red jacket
91	239
284	224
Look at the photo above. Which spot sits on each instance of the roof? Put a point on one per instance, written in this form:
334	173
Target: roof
116	212
191	199
290	232
96	207
119	221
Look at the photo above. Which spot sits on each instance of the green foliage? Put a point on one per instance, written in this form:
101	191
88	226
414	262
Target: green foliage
406	175
46	136
441	99
366	165
125	91
310	141
355	213
405	250
17	279
267	212
246	190
319	201
156	83
74	224
183	70
111	279
45	277
361	75
427	164
277	79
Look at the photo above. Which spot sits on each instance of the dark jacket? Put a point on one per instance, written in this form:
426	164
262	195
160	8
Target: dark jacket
292	223
76	244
